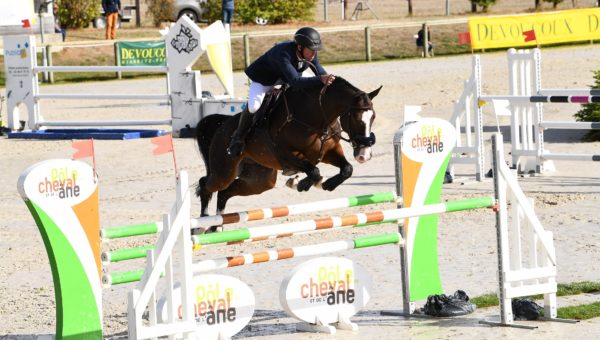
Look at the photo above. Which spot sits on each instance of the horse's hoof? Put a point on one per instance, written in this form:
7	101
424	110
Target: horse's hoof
327	187
304	186
214	229
292	183
198	231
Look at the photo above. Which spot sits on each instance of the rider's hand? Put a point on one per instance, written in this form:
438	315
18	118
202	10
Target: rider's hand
327	79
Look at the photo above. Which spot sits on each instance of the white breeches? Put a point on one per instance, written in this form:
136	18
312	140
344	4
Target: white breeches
256	95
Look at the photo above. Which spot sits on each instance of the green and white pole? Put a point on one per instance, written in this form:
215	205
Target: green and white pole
62	196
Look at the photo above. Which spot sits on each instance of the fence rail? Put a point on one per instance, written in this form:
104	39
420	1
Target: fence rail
245	38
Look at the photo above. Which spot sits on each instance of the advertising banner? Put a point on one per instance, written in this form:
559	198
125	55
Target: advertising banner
549	28
426	149
142	53
328	289
62	196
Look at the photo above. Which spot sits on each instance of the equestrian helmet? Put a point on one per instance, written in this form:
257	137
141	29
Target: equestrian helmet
308	37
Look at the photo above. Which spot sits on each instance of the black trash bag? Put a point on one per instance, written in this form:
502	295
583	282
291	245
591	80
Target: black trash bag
525	309
449	305
448	178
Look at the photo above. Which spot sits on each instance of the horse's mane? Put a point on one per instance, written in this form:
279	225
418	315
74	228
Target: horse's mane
339	81
347	83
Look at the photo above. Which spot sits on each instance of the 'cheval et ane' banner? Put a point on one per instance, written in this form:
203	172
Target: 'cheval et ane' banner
550	28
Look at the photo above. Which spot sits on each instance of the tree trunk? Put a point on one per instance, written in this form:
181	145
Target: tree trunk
538	5
410	8
473	7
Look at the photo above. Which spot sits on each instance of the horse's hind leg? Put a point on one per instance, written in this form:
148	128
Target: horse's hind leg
253	180
205	196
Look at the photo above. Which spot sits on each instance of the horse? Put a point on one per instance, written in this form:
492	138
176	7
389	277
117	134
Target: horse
304	128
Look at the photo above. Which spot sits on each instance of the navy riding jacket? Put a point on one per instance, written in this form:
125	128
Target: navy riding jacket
281	63
111	6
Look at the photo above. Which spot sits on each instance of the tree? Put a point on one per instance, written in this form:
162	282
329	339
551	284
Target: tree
160	11
484	4
274	11
591	113
554	2
538	5
410	8
77	13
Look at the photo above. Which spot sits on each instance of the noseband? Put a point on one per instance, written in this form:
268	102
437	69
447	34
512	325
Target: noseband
359	141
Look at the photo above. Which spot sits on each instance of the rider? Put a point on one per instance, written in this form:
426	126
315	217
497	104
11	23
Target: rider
282	64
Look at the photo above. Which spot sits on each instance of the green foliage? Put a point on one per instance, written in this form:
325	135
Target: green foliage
160	11
554	2
583	312
484	4
575	288
274	11
77	13
564	289
212	10
591	113
486	300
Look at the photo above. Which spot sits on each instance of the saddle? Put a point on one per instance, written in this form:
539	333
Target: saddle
271	100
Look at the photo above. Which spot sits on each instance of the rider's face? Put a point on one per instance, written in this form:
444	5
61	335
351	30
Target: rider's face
308	54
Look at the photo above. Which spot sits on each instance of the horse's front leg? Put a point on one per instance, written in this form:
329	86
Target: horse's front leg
313	174
336	158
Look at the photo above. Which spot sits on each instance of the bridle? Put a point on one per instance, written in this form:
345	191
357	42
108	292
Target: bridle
324	131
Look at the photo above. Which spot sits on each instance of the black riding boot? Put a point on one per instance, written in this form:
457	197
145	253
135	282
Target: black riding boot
238	140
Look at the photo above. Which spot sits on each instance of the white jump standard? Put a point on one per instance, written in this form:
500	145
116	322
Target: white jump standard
525	106
184	44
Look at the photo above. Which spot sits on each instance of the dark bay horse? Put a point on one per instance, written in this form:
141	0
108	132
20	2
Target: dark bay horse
303	129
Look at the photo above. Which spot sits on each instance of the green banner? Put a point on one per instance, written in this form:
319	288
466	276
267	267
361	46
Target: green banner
142	53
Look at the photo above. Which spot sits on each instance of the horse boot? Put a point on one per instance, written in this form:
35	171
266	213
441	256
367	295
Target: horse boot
238	140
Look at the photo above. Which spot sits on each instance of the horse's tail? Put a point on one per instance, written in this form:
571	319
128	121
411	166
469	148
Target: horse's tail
205	132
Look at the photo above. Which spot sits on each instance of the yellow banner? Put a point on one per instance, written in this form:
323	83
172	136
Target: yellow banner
550	28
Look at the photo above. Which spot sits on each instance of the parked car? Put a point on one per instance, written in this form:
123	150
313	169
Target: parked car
191	8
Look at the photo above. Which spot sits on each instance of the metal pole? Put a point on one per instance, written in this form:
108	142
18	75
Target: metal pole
368	43
425	41
497	142
138	16
246	50
44	57
325	10
117	59
49	55
447	7
407	306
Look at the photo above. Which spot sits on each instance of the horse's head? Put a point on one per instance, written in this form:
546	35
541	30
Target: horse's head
357	122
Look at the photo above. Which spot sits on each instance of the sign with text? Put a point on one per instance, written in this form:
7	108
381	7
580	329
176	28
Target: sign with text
426	149
549	28
142	53
223	305
326	288
62	196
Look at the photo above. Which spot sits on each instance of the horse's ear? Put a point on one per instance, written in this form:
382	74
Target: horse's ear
374	93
